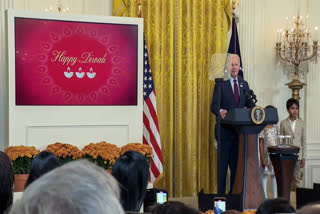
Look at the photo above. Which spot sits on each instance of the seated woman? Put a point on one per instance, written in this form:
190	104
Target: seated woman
6	184
44	162
131	170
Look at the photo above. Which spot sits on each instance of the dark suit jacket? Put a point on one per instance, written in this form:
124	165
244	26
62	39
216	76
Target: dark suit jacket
227	100
228	145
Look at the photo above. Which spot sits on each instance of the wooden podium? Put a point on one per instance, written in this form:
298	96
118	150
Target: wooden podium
283	161
247	181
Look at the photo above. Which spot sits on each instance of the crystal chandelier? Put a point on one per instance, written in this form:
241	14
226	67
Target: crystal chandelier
296	46
57	7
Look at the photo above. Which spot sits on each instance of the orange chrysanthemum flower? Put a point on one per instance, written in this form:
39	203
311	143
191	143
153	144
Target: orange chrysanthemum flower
144	149
103	154
107	151
21	157
64	150
15	152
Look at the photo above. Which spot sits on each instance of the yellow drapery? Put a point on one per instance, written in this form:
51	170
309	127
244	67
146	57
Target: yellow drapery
181	37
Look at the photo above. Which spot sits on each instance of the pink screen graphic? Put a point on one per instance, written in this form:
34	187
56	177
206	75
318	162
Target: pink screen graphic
75	63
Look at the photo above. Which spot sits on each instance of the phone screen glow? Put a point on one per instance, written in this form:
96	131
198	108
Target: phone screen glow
161	197
220	204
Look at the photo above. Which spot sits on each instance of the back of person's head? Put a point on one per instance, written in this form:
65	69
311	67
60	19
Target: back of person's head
6	182
79	187
291	102
132	170
44	162
312	208
174	207
277	205
269	106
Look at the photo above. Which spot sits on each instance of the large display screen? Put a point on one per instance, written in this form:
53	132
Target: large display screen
75	63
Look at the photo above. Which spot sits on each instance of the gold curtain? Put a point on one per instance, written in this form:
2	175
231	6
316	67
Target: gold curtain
181	37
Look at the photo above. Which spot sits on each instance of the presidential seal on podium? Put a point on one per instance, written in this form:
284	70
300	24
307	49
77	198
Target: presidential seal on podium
257	115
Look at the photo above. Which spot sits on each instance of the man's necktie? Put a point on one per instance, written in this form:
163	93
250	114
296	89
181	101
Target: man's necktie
236	92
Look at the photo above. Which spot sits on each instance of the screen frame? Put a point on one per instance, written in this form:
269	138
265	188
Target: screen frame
23	117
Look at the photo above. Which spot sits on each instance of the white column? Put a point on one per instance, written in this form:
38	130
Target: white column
247	35
312	109
4	5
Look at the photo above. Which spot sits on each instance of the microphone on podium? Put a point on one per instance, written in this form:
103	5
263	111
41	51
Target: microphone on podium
251	98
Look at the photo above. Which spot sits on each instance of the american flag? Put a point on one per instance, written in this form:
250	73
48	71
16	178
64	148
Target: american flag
151	134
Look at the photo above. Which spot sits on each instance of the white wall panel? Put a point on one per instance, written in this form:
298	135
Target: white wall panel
79	135
312	172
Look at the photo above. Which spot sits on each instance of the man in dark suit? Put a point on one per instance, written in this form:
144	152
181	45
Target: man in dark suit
232	95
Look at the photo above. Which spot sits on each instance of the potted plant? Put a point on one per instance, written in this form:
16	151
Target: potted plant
21	157
144	149
103	154
65	152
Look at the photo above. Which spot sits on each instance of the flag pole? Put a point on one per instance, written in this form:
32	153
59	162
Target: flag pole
139	9
234	4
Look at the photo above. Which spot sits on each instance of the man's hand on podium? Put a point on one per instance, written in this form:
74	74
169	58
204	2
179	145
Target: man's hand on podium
223	113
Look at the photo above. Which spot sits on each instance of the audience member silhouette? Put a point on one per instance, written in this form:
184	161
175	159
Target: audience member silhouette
174	207
277	205
131	170
44	162
6	182
79	187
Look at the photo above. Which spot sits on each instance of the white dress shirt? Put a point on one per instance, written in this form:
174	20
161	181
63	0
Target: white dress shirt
293	124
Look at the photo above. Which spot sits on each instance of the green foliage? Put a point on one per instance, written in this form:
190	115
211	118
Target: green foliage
99	161
22	165
66	159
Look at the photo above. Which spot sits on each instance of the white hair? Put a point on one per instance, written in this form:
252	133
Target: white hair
79	187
